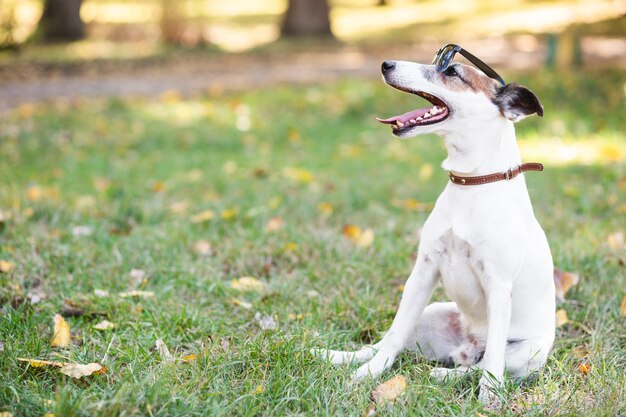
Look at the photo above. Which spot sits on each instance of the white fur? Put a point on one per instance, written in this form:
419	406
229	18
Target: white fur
483	244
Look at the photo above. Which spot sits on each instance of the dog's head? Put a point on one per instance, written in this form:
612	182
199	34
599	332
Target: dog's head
460	96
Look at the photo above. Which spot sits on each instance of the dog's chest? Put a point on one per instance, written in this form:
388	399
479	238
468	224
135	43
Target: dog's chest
461	274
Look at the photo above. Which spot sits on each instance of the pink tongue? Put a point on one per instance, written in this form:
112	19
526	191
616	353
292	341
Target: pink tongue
404	118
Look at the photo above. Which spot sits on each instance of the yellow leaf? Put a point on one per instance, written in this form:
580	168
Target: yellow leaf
104	325
77	370
351	231
61	332
6	266
39	363
616	241
203	216
622	307
561	317
290	247
584	368
229	214
158	186
300	175
34	193
48	415
325	208
293	316
247	284
274	224
389	390
189	358
426	171
259	389
563	281
137	293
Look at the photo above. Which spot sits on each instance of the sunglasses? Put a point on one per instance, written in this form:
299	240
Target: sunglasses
446	54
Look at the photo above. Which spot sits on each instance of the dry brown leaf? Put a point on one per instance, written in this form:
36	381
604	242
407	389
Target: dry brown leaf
104	325
137	293
164	352
247	284
584	368
77	370
274	224
389	390
203	248
563	281
622	307
6	266
561	318
61	332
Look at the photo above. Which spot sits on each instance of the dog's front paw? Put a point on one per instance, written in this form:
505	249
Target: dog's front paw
488	395
376	366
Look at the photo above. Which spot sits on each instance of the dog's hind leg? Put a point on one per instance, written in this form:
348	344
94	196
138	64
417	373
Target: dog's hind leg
338	357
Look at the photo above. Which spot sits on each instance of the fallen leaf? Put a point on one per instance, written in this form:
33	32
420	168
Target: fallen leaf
622	307
274	224
34	193
616	241
561	318
137	293
241	303
158	186
101	293
300	175
189	358
361	238
325	208
265	322
203	248
247	284
229	214
563	281
77	370
203	216
584	368
6	266
82	231
389	390
40	363
290	247
371	411
164	352
104	325
293	316
61	332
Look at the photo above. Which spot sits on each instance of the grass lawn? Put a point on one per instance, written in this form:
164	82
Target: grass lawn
196	193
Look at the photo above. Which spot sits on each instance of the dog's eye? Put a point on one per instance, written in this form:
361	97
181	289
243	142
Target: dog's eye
450	72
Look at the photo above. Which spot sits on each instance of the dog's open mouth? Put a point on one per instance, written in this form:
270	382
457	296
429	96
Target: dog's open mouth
438	112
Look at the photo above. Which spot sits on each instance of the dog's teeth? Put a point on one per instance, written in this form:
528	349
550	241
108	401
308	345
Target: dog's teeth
412	120
426	115
418	119
399	123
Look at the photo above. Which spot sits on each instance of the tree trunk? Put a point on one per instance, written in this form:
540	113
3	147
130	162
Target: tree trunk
61	21
307	18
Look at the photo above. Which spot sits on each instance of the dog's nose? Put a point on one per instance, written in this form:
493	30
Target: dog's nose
388	66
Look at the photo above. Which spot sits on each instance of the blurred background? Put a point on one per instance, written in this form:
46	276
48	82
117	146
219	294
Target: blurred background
51	48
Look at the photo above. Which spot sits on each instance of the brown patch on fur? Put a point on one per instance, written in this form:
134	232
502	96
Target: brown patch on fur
469	79
454	323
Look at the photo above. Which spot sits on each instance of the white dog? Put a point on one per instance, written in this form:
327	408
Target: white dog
481	241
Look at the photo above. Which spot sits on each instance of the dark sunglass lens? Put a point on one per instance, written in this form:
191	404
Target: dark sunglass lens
446	57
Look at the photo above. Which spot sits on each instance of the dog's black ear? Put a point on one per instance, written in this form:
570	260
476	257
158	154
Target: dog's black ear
516	102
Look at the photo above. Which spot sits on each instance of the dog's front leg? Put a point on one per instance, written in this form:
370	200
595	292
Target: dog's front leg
499	316
403	331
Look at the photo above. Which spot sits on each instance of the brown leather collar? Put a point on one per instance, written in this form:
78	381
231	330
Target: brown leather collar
498	176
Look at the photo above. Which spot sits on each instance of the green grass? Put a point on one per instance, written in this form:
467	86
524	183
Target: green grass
125	169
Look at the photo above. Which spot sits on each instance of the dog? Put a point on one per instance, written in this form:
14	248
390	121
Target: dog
481	241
